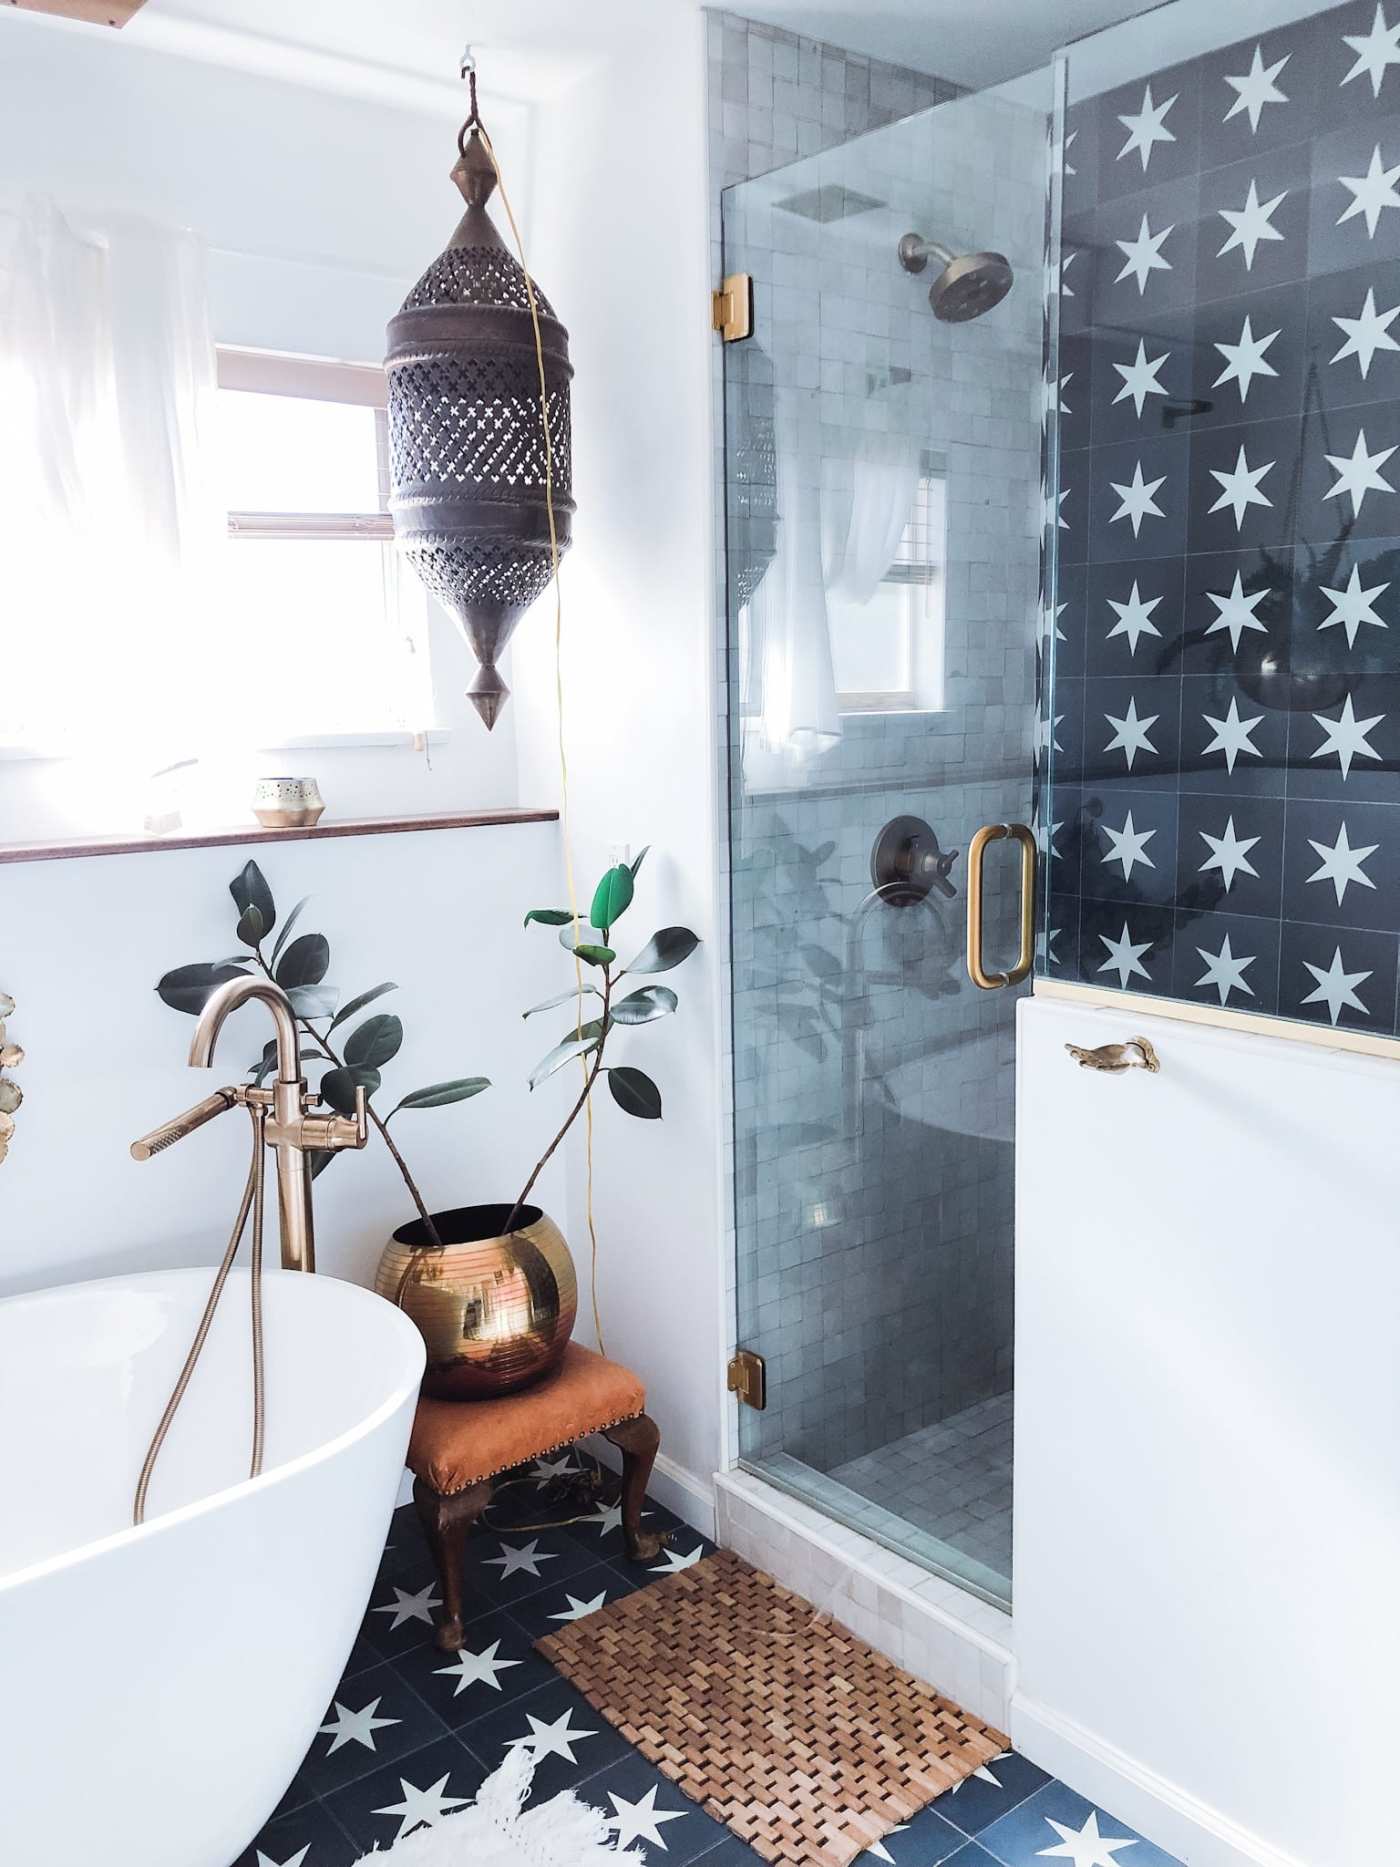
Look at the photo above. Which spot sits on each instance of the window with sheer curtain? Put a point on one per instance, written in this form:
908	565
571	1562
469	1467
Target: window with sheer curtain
197	554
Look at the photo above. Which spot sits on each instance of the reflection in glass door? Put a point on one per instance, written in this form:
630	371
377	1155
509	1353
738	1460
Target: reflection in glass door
883	439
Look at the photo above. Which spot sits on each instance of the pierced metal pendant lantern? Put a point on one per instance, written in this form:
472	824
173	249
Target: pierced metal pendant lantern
468	453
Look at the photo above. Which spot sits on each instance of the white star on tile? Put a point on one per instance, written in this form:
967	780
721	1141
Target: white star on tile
1051	514
1375	51
1245	360
406	1607
1237	612
544	1470
1140	377
673	1561
1341	864
1346	737
1336	987
1045	947
522	1557
265	1860
1225	970
1124	957
1137	499
1134	618
1249	225
1045	739
1147	128
1372	192
879	1851
1239	488
1229	853
1232	735
1066	289
551	1740
422	1807
1256	88
1358	473
1367	334
982	1773
577	1609
1050	620
1353	606
1085	1846
1053	396
641	1820
1129	846
608	1518
1143	255
476	1668
359	1726
1130	733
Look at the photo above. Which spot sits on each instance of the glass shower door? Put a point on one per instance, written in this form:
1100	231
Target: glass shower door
883	443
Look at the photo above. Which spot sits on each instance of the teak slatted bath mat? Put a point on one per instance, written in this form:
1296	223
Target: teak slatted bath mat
806	1742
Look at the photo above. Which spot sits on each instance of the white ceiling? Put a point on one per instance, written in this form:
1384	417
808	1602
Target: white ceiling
975	42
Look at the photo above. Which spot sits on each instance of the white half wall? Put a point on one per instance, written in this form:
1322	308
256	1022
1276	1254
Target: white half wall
619	218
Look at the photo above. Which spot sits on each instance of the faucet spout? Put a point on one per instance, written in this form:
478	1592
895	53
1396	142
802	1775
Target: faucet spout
228	997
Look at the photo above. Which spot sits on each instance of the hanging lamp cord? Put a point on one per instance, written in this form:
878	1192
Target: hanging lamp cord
474	124
252	1201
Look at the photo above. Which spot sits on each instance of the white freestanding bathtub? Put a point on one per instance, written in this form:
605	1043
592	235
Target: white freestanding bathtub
159	1686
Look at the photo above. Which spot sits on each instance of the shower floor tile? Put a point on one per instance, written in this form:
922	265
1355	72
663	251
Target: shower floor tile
505	1692
951	1480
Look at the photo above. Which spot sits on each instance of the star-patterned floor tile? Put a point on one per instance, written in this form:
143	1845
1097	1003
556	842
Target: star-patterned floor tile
568	1738
997	1788
373	1718
1340	977
497	1664
643	1806
504	1567
417	1790
309	1837
1226	959
553	1609
1056	1825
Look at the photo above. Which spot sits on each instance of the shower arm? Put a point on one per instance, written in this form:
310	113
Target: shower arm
289	1125
915	252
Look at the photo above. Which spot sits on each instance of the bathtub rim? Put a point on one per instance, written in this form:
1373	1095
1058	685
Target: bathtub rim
132	1534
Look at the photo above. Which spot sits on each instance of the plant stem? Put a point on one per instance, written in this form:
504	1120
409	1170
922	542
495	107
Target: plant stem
590	1079
323	1045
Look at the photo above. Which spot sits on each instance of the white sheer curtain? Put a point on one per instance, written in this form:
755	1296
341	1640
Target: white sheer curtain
844	497
110	532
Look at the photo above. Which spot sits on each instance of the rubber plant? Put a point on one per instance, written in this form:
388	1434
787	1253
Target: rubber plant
300	966
632	1089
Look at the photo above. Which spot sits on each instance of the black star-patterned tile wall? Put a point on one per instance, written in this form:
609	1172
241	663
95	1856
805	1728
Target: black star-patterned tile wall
1223	810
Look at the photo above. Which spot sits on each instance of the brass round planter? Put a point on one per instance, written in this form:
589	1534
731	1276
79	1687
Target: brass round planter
495	1312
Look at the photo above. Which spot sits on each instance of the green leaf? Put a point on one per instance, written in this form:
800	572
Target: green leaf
321	1158
287	927
665	950
638	859
306	962
652	1001
267	1062
188	987
572	1046
250	890
359	1003
438	1095
313	1001
635	1093
590	954
338	1087
250	928
611	898
564	998
374	1043
549	917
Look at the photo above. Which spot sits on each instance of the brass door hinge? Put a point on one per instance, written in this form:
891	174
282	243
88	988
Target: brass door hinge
748	1378
731	311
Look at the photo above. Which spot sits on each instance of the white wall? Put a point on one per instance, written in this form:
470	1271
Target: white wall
620	233
319	210
83	945
1207	1461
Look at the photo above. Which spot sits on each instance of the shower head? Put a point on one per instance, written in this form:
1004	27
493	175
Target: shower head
968	285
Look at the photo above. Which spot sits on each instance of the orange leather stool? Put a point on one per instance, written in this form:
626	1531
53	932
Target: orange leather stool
458	1447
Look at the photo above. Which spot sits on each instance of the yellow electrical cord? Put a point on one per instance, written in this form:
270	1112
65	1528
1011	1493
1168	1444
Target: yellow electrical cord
559	698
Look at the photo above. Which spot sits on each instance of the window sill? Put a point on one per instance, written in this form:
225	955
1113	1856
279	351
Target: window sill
70	847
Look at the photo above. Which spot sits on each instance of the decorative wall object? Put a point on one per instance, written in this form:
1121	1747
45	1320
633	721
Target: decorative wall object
11	1095
1226	635
471	462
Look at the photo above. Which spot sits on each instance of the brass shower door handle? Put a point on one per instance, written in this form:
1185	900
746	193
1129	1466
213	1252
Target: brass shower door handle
977	850
1117	1057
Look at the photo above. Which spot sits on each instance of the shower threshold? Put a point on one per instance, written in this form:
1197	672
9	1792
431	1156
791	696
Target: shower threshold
945	1494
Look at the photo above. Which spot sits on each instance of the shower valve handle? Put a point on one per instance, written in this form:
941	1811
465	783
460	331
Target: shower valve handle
329	1133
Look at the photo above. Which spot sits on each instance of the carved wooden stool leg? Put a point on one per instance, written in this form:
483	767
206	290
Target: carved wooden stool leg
447	1518
637	1440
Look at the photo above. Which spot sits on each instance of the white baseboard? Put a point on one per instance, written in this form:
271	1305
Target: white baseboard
1167	1814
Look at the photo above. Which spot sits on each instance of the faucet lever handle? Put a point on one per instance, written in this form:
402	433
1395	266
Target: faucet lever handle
176	1129
332	1132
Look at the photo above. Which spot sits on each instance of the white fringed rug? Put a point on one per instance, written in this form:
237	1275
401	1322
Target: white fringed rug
494	1832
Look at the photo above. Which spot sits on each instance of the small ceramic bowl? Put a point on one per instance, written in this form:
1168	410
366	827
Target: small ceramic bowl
287	803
